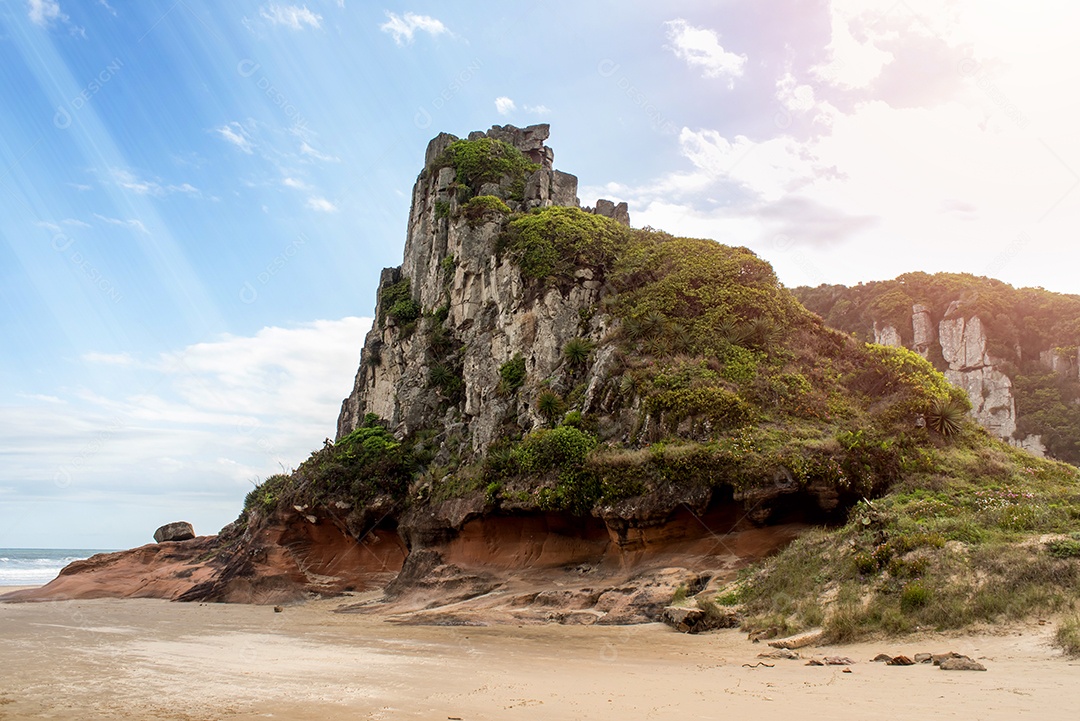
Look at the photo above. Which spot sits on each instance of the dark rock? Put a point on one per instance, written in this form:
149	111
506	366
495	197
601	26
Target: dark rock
608	209
923	658
686	619
426	576
179	531
881	657
899	661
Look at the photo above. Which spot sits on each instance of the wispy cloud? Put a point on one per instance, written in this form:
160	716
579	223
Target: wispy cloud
321	205
700	47
133	223
291	16
107	6
403	27
140	186
313	153
234	133
294	184
44	12
504	105
81	187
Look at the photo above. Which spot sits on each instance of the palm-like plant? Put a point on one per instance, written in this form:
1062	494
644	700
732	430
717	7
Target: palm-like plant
946	417
550	405
577	351
654	323
732	331
762	332
632	329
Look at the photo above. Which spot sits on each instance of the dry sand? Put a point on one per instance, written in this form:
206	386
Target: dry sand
150	659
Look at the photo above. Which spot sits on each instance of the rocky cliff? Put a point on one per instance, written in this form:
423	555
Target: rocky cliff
560	417
489	315
1014	350
960	341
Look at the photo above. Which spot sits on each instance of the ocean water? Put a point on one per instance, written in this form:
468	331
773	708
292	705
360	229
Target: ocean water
37	566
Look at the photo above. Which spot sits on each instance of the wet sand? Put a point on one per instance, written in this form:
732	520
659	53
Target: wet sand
151	659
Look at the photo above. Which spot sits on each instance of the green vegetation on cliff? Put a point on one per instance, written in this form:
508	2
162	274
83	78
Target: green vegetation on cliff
486	160
1020	324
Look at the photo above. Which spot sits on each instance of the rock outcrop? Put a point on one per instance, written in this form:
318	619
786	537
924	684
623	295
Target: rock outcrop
452	261
178	531
961	340
963	345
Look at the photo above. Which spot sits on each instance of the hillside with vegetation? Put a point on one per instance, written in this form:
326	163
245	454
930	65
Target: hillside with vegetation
1032	335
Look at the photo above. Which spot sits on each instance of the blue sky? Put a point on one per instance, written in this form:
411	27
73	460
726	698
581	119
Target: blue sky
196	200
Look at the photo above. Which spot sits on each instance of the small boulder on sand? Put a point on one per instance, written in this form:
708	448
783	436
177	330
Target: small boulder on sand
961	664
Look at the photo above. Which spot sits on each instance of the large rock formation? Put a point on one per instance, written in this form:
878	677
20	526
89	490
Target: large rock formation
556	417
963	345
451	261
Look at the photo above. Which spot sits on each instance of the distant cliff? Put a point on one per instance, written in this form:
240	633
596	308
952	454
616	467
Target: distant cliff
1013	350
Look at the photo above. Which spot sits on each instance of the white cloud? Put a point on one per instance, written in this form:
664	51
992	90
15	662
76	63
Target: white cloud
81	187
504	105
294	183
793	95
291	16
853	63
312	152
322	205
403	27
700	47
75	223
134	224
234	133
140	186
43	12
224	413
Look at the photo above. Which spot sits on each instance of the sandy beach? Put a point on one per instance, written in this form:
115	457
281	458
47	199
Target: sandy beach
151	659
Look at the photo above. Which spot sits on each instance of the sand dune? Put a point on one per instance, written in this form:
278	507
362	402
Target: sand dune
150	659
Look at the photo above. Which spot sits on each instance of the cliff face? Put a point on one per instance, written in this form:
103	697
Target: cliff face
452	262
960	340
